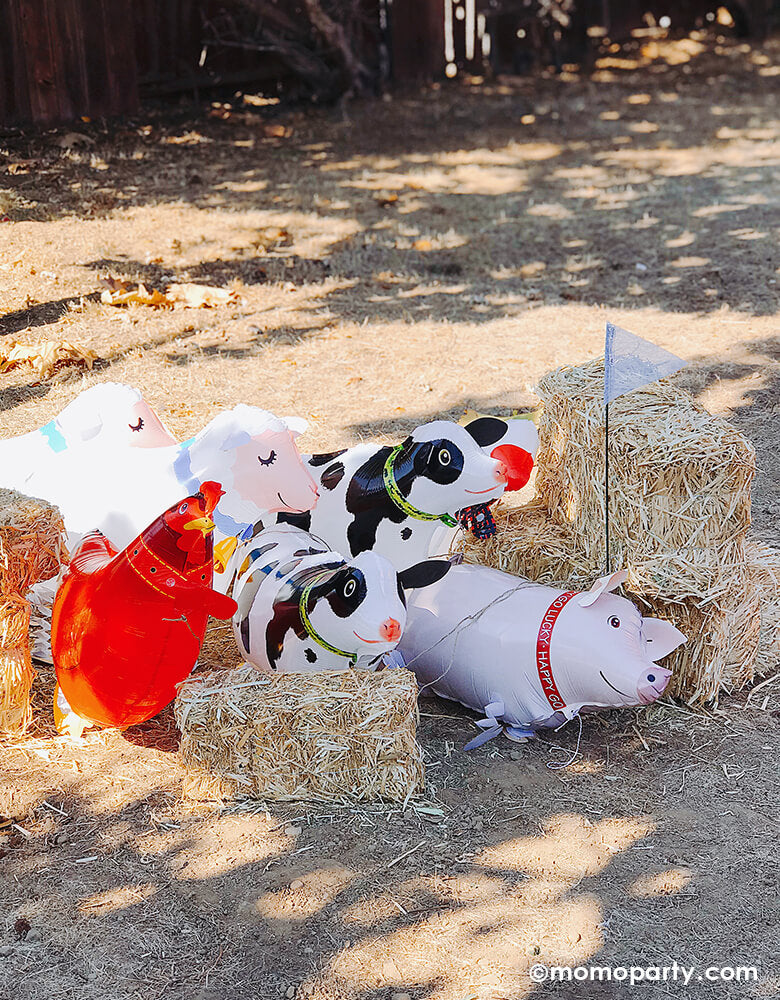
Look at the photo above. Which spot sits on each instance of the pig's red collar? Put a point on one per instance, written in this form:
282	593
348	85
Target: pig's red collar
543	665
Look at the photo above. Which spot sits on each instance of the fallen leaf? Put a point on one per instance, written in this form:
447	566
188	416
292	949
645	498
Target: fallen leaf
193	296
277	131
272	236
45	356
122	295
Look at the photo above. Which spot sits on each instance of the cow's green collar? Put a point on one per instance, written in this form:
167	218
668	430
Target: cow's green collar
388	477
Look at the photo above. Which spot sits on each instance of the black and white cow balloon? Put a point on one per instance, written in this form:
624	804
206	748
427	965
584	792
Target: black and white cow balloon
302	606
392	500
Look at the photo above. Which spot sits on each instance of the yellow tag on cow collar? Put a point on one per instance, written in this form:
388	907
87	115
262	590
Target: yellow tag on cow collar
388	478
303	607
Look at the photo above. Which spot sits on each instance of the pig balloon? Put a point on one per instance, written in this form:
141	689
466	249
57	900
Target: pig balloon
529	656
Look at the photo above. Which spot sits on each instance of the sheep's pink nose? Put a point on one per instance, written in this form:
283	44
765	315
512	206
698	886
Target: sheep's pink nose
390	630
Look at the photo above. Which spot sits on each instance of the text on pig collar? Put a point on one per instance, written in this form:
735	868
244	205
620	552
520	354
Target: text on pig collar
543	665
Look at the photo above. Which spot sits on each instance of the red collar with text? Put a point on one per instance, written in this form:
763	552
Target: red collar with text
543	665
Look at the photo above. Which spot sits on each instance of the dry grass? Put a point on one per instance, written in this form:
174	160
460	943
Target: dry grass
333	736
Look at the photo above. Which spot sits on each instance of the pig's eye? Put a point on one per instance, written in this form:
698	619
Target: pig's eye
267	461
138	426
614	622
651	677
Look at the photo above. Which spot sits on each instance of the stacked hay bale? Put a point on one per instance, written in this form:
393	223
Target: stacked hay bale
335	735
679	515
32	548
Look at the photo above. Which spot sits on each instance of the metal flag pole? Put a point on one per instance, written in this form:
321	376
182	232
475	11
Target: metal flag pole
606	480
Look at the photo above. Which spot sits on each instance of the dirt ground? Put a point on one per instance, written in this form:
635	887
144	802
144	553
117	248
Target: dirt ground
397	261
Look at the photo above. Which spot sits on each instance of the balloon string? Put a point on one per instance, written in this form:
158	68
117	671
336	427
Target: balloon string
559	765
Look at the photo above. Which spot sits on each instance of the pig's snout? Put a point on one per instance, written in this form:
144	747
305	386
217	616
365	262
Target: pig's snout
390	630
653	684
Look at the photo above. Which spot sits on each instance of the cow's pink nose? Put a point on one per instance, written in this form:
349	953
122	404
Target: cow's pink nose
500	472
390	630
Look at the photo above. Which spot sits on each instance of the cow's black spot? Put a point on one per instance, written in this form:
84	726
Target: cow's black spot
443	462
487	430
325	457
332	476
310	655
406	534
347	592
297	520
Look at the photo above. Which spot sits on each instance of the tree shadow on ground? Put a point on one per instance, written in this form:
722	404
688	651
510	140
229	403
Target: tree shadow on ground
526	865
630	186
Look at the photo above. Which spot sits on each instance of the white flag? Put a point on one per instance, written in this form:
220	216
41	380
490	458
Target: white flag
631	362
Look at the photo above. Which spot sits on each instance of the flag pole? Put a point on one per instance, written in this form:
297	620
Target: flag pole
606	480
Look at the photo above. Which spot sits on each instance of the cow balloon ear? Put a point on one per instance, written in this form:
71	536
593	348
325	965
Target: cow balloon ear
486	430
423	574
604	585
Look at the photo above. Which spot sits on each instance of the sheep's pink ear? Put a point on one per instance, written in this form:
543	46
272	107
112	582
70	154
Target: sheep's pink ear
604	585
296	425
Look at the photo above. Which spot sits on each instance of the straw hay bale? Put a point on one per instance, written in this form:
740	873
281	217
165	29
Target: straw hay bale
16	671
32	542
335	736
764	564
679	477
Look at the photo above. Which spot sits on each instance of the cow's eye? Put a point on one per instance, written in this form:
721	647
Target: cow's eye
614	622
444	456
183	509
267	461
138	426
349	588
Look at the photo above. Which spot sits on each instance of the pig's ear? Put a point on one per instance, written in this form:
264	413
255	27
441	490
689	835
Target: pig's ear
661	637
423	574
603	585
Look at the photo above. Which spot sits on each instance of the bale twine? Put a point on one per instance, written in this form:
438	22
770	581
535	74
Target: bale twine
333	736
16	671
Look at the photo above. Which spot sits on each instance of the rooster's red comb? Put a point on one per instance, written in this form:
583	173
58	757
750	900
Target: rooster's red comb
211	493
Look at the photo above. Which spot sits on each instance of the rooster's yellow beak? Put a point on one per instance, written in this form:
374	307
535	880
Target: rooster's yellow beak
204	524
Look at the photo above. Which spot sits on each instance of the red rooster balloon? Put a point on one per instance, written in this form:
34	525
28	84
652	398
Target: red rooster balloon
127	627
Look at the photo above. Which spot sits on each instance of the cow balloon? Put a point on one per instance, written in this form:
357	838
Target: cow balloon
109	416
302	606
391	500
529	656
